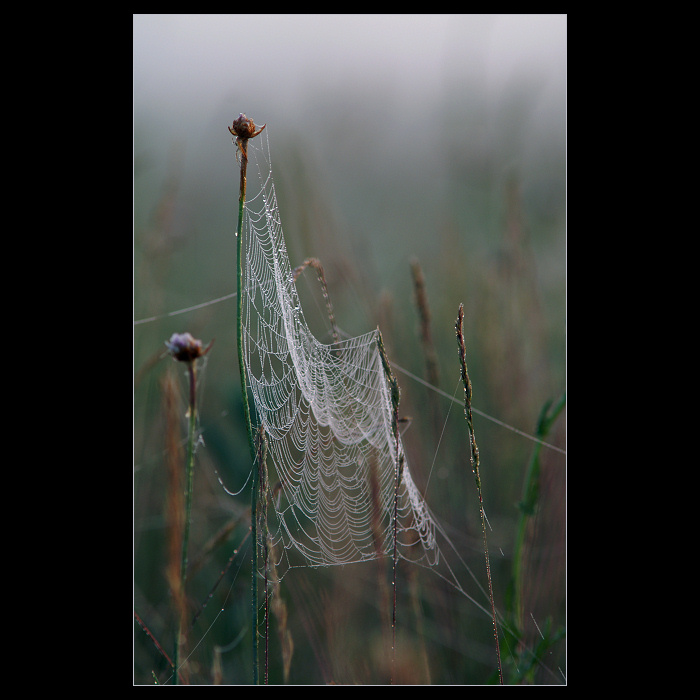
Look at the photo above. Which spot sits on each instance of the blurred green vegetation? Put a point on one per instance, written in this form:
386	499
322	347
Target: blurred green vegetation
476	194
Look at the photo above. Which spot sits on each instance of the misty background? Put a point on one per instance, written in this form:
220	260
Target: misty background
394	138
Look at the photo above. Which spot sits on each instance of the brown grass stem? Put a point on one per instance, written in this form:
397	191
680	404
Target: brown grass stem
185	348
316	264
175	514
474	458
429	354
157	645
421	298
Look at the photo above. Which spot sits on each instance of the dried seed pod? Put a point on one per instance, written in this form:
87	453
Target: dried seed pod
244	128
185	348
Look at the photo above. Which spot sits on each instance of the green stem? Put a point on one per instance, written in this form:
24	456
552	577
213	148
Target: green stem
262	487
529	503
398	469
243	145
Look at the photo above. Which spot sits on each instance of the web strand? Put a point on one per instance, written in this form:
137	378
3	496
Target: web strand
412	376
204	304
326	412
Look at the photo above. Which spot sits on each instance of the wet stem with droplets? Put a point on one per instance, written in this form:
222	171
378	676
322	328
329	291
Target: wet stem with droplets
474	458
242	144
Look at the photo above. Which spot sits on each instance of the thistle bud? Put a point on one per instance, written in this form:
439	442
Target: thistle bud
244	128
185	348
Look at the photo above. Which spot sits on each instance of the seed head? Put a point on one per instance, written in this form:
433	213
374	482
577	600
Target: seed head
185	348
244	128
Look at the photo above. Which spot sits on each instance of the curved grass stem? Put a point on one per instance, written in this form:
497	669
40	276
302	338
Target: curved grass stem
528	504
474	457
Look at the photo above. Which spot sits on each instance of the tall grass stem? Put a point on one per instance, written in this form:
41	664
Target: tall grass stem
189	487
189	473
244	129
398	468
528	504
474	457
184	348
316	264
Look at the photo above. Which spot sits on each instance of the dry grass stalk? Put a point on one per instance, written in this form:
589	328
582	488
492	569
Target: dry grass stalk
316	264
474	456
175	507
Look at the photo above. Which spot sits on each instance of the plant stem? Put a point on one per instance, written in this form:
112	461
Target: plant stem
316	264
189	472
191	370
263	486
398	468
184	348
529	503
244	129
474	457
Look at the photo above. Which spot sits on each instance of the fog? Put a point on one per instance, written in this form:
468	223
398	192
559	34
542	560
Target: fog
185	66
392	136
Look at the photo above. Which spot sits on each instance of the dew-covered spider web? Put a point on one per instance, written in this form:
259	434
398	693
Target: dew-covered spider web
326	412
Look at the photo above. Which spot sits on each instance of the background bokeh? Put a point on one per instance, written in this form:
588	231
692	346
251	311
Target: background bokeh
394	138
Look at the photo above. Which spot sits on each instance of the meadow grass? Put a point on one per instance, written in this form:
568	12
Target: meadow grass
326	625
474	459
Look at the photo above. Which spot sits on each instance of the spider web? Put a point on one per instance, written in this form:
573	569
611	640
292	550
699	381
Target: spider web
326	412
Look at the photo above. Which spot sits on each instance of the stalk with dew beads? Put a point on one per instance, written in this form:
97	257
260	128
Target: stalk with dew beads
184	348
398	473
244	129
474	457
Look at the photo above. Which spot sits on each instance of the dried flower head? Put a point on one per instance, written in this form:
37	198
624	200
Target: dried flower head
244	128
185	348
